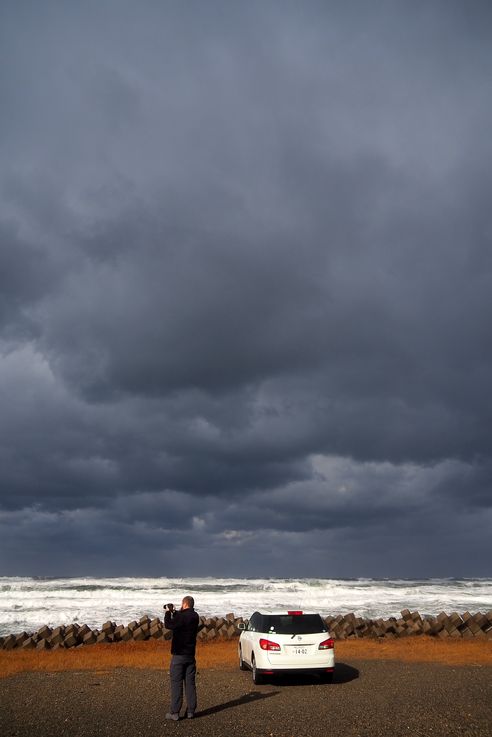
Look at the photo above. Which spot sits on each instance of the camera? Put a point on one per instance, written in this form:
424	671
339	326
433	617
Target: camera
170	607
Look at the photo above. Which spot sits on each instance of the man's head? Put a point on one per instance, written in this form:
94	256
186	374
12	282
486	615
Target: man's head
188	602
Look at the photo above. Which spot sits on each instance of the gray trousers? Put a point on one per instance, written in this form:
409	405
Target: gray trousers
183	670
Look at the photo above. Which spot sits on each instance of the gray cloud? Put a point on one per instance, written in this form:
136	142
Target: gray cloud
245	264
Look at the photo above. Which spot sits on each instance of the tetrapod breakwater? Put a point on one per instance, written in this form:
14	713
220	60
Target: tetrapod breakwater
341	627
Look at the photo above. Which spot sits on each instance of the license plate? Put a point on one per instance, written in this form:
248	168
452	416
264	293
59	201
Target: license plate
300	651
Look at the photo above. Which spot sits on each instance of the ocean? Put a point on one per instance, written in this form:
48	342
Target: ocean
28	603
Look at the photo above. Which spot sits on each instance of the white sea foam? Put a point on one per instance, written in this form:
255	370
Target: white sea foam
28	603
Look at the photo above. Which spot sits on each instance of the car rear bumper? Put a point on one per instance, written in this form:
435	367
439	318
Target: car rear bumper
317	662
294	669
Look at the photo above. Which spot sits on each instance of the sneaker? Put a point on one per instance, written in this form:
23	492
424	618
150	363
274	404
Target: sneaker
190	715
173	716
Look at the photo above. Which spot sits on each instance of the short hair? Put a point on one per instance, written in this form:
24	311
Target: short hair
190	601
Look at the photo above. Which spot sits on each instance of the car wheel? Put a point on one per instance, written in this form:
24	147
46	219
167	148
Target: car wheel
242	664
257	678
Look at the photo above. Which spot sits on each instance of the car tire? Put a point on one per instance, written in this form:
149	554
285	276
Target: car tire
257	677
242	664
327	678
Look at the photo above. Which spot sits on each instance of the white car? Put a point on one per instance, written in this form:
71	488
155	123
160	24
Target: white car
286	642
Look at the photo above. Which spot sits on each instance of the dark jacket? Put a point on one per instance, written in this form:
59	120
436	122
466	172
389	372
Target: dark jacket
184	625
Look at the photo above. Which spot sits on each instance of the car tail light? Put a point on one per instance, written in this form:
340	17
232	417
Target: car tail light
295	613
326	645
268	645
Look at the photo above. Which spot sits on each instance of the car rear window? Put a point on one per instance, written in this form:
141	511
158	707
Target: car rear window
292	624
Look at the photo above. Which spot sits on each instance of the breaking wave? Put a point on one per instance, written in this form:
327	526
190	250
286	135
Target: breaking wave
28	603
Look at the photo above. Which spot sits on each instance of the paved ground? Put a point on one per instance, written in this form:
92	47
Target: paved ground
367	698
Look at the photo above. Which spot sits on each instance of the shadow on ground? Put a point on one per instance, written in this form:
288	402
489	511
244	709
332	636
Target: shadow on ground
345	673
246	699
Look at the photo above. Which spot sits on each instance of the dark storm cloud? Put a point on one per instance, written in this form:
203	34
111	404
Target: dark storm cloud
245	276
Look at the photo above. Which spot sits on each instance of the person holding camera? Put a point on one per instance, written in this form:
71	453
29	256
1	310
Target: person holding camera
184	625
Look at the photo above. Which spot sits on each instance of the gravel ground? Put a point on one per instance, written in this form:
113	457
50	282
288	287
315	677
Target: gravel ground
367	698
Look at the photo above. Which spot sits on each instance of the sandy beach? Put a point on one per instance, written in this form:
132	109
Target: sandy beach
417	687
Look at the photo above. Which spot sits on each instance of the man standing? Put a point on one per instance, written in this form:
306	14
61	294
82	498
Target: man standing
184	626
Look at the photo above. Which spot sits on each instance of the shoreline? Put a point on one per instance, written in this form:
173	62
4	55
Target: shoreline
222	655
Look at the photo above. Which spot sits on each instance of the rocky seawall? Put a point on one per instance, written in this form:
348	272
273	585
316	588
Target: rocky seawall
341	627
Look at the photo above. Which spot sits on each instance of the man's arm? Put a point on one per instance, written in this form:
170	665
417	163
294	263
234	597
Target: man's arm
173	621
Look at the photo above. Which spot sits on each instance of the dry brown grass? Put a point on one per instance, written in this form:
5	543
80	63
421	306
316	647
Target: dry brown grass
156	655
419	650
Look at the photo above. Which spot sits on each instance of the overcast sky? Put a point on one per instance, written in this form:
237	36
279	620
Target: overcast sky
246	288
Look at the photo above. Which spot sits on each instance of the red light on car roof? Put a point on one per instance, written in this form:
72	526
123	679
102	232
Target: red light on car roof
295	613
